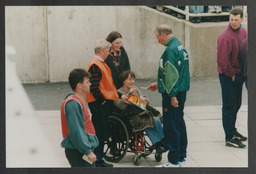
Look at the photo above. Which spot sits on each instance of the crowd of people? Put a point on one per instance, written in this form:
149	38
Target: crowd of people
197	10
108	79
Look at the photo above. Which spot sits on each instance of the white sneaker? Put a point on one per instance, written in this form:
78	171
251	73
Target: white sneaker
168	164
211	9
182	163
218	9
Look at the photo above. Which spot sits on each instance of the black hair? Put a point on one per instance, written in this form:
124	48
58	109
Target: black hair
113	36
77	76
124	75
236	11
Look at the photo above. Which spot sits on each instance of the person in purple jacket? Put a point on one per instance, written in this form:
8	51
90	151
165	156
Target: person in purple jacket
242	57
230	77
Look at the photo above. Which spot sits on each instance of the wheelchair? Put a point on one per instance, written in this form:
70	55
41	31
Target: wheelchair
122	139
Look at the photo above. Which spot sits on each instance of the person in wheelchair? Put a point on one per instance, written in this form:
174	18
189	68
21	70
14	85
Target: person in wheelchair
140	119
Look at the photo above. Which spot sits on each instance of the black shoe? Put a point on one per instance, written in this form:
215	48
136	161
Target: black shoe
234	142
174	14
160	149
198	20
240	137
168	11
180	16
163	144
102	163
193	20
225	10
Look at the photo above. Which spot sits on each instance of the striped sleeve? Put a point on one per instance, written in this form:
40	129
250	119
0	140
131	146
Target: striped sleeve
95	83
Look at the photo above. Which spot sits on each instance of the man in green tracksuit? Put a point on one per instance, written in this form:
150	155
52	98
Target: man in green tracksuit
173	82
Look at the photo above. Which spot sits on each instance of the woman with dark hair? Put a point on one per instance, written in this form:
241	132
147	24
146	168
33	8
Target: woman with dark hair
117	60
140	119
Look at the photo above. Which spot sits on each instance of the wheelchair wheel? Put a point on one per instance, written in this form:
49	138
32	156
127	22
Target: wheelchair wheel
116	146
158	157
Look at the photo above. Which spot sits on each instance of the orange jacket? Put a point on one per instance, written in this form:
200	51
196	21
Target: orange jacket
107	86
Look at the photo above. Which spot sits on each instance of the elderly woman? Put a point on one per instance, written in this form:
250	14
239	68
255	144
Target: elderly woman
117	60
140	119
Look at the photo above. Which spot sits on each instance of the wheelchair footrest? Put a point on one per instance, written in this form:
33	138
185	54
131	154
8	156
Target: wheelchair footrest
146	153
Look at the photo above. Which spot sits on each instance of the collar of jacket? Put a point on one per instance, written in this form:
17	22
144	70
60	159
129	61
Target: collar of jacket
169	41
99	58
235	29
118	53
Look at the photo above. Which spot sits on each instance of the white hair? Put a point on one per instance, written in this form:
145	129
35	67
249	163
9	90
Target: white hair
163	29
100	44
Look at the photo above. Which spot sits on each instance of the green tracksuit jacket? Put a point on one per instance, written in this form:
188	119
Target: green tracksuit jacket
173	72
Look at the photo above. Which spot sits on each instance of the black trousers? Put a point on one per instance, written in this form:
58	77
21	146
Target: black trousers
75	159
231	102
100	114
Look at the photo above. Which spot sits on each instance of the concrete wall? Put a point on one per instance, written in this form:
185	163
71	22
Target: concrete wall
201	44
51	41
26	31
137	25
72	32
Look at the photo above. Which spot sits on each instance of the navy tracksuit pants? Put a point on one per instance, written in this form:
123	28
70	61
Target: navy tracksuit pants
175	133
231	102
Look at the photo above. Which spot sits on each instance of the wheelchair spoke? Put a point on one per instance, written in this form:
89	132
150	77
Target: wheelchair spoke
116	147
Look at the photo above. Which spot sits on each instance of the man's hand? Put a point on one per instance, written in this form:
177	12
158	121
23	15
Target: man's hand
152	86
92	157
233	78
174	102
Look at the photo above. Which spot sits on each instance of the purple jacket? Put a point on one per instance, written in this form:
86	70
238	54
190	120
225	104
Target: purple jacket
229	43
242	57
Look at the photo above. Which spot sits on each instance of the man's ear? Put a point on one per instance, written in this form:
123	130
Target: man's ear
78	86
162	34
104	49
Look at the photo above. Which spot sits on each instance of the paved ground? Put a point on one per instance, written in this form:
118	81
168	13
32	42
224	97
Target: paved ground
206	146
203	92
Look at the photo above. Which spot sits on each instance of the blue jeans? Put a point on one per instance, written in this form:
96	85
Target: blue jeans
231	102
155	134
195	10
175	133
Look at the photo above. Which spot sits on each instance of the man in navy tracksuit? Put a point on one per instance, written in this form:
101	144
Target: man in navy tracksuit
173	83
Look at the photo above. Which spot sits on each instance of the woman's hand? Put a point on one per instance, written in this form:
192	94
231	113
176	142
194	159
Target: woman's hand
143	100
125	99
133	89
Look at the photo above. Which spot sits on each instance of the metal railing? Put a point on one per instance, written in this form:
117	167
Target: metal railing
187	14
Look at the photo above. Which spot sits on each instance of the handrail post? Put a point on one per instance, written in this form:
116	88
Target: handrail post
187	12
